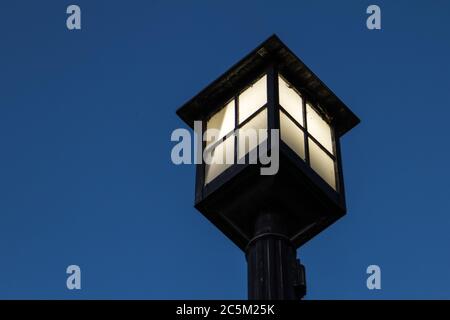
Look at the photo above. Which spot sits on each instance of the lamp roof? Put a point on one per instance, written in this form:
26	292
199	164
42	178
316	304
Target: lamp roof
272	50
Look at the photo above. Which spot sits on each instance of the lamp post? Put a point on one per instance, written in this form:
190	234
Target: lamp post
270	216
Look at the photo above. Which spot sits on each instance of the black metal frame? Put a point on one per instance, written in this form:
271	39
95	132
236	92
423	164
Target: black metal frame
307	135
273	122
226	199
230	172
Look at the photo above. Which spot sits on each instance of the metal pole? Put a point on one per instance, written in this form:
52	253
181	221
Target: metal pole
274	272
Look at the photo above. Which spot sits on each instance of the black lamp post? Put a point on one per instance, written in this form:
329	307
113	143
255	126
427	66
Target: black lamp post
270	216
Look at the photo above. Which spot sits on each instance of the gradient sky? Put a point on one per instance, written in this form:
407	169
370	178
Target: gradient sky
85	123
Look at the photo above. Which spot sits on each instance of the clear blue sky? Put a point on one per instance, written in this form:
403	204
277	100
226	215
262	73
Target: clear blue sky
85	123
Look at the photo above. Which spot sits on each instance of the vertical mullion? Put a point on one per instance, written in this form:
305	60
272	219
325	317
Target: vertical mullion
273	118
236	128
201	168
306	133
336	160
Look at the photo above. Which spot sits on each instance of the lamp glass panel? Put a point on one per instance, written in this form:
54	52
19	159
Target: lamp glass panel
319	128
322	163
223	121
222	157
253	98
290	100
249	135
292	135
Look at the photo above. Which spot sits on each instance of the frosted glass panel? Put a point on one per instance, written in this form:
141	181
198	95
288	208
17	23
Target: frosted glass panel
318	128
253	98
292	135
290	100
322	163
249	136
222	121
222	157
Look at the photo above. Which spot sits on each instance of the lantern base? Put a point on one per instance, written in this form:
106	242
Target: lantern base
234	200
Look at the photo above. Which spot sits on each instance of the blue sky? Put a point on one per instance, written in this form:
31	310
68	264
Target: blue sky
85	123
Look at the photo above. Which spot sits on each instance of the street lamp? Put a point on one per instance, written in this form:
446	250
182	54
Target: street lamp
270	216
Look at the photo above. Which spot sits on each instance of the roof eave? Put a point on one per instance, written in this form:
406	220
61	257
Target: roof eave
270	49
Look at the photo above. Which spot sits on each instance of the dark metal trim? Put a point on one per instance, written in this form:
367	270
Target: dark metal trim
273	50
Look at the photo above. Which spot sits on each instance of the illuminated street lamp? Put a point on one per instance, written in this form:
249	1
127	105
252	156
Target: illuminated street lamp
269	216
